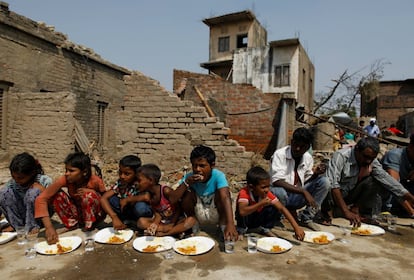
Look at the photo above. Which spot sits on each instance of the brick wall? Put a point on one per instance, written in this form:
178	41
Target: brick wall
41	124
162	129
245	109
36	59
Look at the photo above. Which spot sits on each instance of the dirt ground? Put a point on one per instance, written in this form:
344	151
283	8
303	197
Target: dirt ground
388	256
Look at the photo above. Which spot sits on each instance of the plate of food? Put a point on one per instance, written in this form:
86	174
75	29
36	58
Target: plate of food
368	230
195	245
7	236
318	237
111	236
152	244
63	246
273	245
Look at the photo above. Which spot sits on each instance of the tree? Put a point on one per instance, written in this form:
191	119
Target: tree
345	95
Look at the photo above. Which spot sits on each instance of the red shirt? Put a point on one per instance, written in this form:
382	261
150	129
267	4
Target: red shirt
245	195
41	203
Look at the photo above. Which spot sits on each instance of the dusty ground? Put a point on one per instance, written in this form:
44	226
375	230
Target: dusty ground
389	256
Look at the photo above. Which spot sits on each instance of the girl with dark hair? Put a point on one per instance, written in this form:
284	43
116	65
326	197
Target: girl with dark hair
17	198
80	205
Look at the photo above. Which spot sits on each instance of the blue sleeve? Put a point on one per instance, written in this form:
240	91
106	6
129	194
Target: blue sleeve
221	180
391	160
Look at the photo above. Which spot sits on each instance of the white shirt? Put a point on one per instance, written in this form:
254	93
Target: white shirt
283	167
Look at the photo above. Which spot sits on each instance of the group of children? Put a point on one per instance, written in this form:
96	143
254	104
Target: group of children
81	200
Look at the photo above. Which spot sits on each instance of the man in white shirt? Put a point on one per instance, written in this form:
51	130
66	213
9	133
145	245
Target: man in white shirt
295	181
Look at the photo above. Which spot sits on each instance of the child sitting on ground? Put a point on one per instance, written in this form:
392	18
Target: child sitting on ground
80	205
166	219
257	207
123	202
205	193
18	197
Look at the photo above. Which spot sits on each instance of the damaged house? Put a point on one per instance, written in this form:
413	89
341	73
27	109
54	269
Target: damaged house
58	97
253	86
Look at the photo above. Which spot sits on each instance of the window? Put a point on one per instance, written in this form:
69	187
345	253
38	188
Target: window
303	79
282	76
224	44
242	41
101	122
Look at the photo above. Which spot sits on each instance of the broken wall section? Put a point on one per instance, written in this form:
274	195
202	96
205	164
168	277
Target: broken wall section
162	129
248	111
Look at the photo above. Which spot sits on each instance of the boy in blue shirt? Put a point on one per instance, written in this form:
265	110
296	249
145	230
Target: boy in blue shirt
205	193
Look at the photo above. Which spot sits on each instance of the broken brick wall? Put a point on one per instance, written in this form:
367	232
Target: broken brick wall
247	111
35	58
162	129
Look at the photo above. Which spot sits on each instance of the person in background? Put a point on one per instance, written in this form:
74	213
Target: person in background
17	197
205	193
296	182
356	178
257	207
399	163
168	218
80	205
124	202
372	129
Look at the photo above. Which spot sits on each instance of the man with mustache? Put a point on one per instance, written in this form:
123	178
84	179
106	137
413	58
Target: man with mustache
356	178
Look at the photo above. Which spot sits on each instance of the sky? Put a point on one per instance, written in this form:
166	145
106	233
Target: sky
154	37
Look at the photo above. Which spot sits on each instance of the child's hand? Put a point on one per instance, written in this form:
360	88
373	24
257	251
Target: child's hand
194	178
299	234
266	201
152	229
118	224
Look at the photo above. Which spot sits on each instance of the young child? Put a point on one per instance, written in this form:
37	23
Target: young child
17	197
80	205
124	201
205	194
166	219
257	207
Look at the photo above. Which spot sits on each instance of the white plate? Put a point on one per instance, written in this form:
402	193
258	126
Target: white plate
310	235
265	245
70	241
202	245
104	235
7	236
162	243
375	230
3	222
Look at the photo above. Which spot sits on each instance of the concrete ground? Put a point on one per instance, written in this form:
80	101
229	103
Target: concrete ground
388	256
